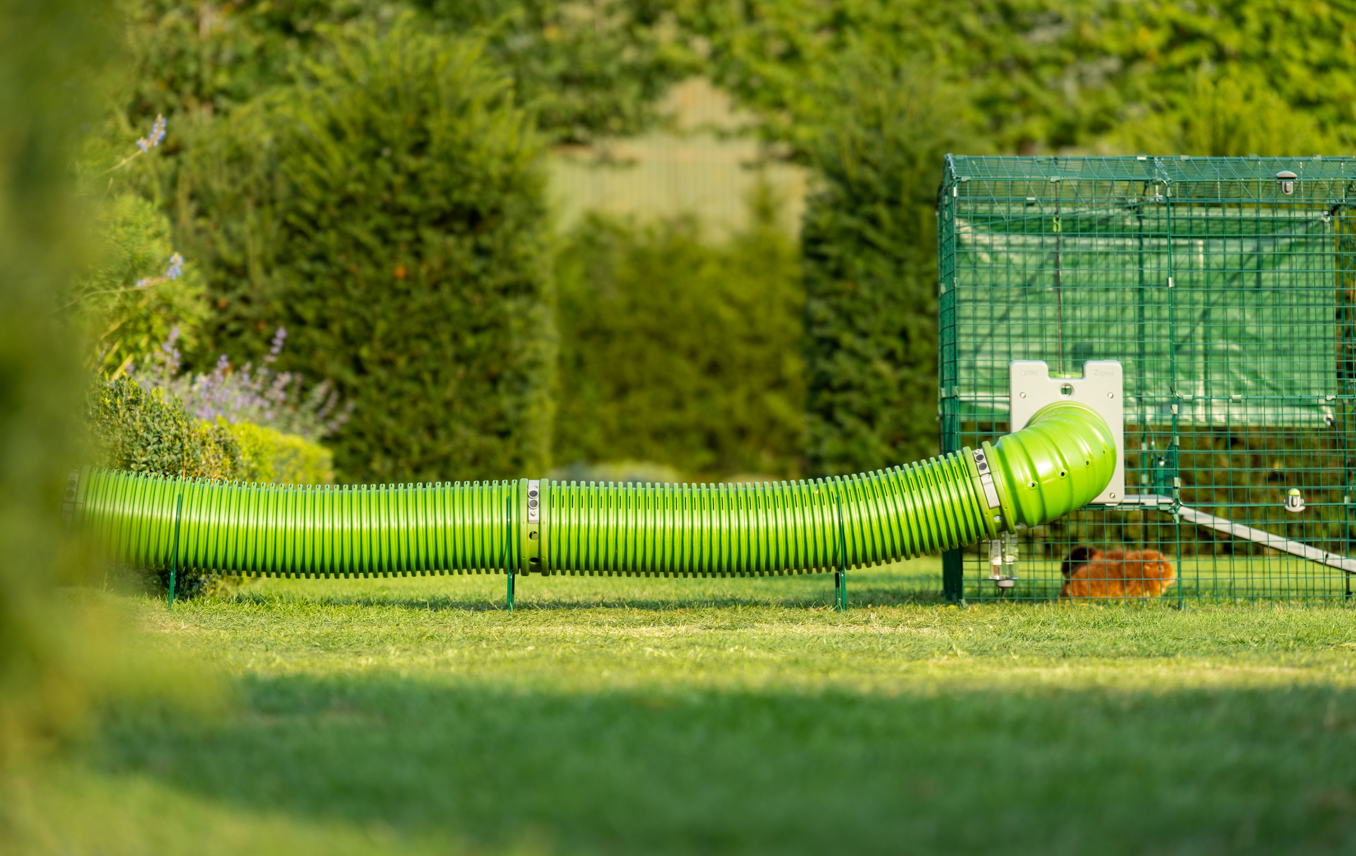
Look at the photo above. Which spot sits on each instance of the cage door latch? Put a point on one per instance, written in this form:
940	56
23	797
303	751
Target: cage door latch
1285	182
1294	501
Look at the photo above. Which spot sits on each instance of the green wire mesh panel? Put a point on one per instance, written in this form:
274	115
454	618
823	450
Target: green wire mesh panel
1227	301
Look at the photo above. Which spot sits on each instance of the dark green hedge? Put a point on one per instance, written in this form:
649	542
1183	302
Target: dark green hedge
390	211
680	350
869	245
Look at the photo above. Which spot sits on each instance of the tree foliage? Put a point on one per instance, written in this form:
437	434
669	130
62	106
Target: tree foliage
1039	74
1219	115
584	69
389	210
679	350
869	242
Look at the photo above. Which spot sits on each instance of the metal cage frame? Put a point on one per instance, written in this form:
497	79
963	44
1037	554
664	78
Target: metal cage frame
1225	287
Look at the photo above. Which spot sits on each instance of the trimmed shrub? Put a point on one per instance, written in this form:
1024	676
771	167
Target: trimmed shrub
390	211
869	246
681	351
268	455
149	431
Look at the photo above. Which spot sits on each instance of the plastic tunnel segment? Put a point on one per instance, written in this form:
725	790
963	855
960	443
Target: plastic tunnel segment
1061	461
1057	464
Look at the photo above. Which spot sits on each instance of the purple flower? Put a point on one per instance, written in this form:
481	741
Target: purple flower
153	139
174	271
262	396
276	348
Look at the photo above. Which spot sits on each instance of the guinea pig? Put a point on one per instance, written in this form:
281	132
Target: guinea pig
1089	572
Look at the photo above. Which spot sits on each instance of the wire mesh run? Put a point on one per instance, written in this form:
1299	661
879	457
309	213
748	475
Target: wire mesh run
1225	289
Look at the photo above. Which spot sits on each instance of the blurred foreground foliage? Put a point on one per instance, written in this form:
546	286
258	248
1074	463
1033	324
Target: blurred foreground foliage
681	350
390	210
57	658
43	48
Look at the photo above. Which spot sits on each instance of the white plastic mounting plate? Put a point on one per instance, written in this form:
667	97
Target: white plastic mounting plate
1101	387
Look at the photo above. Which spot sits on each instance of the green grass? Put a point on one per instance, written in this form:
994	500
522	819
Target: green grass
698	716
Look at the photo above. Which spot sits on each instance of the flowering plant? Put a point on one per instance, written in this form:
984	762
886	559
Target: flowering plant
144	144
175	269
125	301
262	395
153	139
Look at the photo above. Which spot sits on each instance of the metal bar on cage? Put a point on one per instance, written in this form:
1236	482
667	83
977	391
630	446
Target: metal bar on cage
1247	533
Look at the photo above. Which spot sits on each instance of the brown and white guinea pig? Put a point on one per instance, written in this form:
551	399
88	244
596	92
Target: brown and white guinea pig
1089	572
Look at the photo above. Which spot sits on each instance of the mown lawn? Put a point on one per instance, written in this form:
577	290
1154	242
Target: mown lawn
692	716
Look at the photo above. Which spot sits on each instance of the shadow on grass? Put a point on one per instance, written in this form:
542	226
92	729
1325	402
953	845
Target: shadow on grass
1207	771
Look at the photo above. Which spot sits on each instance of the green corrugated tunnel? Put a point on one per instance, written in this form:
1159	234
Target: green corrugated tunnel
1061	461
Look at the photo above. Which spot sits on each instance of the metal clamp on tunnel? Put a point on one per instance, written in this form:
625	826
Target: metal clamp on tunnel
986	478
533	493
995	509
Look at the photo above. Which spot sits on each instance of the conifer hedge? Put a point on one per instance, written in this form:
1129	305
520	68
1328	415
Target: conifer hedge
869	247
390	211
